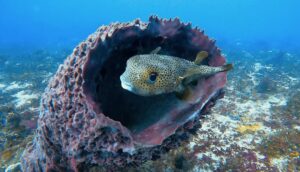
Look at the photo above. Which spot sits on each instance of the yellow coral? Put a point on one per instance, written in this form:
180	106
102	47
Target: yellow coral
7	155
294	154
249	128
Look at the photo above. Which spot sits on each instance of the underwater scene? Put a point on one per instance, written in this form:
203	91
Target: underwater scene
151	86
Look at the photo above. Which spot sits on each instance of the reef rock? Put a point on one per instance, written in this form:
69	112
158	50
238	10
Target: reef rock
88	120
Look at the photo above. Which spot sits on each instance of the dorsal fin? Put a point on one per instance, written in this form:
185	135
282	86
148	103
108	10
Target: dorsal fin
156	50
200	57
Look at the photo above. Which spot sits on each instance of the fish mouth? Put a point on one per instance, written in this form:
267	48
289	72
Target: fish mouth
126	85
129	87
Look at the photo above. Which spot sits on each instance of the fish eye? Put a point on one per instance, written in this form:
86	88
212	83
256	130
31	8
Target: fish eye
153	76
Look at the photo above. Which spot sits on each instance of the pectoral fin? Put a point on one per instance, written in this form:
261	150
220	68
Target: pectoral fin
156	50
200	57
190	76
185	95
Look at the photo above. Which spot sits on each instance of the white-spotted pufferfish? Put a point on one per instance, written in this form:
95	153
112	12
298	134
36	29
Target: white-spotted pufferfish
155	74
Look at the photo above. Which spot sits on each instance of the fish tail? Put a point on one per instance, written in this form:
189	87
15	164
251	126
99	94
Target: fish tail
227	67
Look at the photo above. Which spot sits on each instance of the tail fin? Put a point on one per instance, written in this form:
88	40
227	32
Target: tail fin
227	67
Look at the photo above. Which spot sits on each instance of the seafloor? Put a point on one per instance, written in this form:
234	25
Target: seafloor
255	127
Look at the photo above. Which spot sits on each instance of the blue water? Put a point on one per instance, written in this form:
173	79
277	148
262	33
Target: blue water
56	24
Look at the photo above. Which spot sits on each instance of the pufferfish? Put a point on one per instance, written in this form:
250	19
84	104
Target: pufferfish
155	74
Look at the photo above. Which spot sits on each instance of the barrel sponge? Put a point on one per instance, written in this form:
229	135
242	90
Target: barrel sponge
87	119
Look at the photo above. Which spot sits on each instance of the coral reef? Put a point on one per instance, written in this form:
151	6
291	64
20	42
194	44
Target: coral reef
87	119
283	143
218	145
23	78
